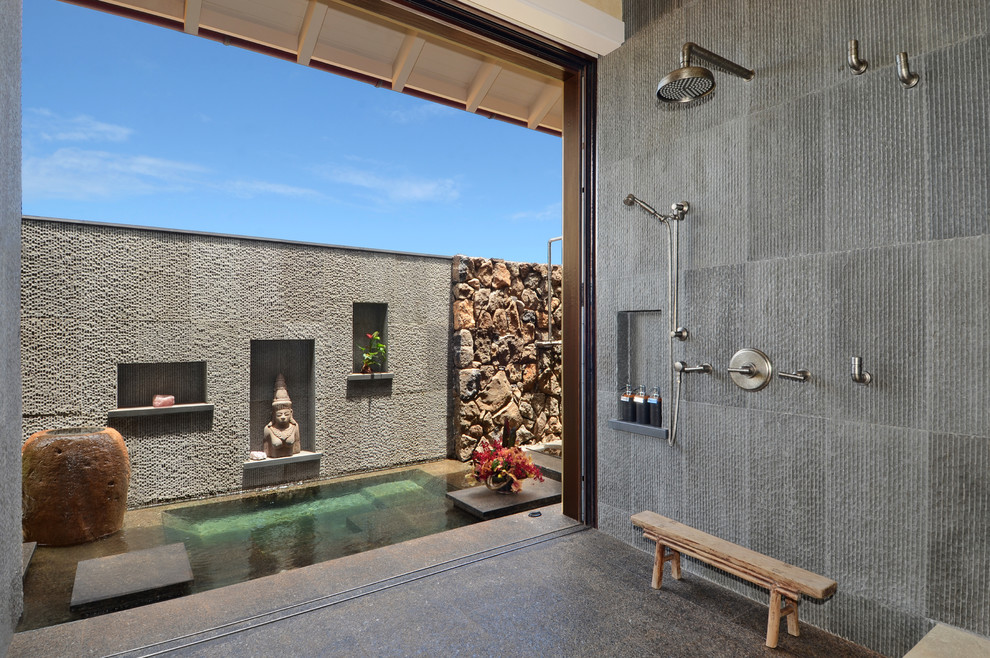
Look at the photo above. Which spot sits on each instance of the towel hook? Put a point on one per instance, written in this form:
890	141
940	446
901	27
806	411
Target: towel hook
855	63
907	78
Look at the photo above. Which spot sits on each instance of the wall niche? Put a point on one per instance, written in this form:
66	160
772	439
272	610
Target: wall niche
367	319
294	360
139	383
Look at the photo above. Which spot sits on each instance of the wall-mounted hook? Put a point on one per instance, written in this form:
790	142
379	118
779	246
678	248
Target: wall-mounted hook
904	74
855	63
859	375
798	375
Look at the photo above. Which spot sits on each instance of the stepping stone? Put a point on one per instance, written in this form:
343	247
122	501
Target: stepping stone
131	579
27	552
486	504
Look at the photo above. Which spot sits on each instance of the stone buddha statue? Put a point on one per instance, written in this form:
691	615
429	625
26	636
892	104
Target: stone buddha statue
282	433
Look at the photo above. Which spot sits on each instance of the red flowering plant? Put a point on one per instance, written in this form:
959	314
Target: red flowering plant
373	354
498	466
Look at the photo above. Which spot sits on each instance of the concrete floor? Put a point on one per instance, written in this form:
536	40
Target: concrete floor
515	586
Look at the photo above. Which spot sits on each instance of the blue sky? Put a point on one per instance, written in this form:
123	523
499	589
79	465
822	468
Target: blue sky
129	123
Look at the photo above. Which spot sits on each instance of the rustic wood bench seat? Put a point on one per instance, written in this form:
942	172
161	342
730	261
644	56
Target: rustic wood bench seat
785	582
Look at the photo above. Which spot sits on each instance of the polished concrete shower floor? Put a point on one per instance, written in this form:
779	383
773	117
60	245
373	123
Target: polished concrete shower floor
514	586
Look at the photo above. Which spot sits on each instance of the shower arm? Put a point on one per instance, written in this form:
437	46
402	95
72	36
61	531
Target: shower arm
715	60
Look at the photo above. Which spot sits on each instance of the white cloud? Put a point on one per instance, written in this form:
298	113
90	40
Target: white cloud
82	175
252	188
553	212
73	173
52	127
397	188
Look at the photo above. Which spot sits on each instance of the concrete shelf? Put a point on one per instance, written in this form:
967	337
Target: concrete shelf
376	376
271	462
636	428
126	412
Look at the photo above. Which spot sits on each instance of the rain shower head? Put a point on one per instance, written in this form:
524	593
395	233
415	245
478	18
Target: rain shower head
689	83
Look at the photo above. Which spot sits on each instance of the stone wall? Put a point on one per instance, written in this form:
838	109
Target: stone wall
500	371
832	215
10	275
96	295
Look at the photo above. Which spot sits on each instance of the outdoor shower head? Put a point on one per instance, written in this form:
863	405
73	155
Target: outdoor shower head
689	83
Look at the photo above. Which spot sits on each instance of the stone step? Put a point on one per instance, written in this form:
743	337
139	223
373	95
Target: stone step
131	579
485	504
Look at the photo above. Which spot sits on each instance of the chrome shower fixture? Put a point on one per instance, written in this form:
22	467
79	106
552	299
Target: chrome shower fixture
680	209
689	83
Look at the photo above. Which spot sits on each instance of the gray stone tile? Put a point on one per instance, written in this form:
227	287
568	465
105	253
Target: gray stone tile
716	445
786	50
956	79
879	163
658	477
885	628
787	488
787	317
960	334
951	21
711	309
788	165
879	308
876	511
958	590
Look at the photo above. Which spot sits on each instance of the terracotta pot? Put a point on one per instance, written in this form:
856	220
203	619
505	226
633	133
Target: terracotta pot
74	485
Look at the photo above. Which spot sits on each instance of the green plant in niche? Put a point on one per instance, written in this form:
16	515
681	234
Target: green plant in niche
374	353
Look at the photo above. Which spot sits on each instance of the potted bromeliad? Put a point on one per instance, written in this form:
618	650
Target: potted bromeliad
373	355
501	465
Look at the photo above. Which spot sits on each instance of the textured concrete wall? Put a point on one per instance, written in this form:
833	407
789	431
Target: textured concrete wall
832	215
500	371
10	366
98	295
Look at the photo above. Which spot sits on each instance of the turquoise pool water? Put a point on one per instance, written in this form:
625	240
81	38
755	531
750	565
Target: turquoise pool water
237	540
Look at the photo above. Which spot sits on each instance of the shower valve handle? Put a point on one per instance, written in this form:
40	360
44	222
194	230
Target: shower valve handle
680	366
749	370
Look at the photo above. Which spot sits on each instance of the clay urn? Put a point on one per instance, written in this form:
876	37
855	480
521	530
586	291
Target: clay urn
73	485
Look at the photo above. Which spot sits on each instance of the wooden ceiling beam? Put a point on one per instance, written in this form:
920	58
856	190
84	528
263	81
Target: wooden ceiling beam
548	97
481	85
312	25
405	61
191	16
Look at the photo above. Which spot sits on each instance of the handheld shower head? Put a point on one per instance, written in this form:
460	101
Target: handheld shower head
689	83
631	199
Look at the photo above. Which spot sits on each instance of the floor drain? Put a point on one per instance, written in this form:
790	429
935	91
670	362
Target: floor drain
535	514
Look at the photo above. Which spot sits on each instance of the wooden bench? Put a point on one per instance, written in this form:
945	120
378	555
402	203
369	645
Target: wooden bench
786	582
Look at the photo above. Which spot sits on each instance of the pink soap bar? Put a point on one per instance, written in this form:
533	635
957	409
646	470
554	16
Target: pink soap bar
163	401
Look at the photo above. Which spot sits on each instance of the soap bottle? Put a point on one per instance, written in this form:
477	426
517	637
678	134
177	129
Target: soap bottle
639	404
626	412
655	403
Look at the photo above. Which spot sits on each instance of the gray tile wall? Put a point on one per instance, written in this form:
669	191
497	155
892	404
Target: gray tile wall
98	295
832	215
10	275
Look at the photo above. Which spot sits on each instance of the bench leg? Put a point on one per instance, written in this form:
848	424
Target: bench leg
659	559
789	610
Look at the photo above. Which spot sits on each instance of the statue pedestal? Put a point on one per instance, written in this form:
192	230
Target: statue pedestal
74	485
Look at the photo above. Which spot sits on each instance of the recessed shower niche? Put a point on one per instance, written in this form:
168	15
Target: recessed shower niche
642	342
293	359
641	360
